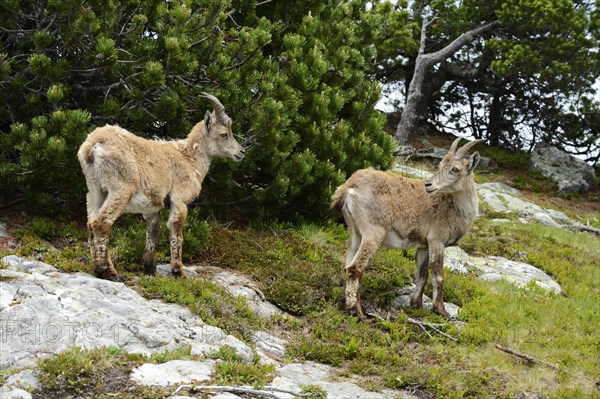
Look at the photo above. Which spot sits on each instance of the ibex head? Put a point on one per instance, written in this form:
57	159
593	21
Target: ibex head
221	142
454	171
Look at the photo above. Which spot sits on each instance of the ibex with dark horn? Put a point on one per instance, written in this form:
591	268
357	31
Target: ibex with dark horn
382	208
127	173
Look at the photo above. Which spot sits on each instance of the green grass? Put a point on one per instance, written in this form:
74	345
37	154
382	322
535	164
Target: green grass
395	354
206	299
93	373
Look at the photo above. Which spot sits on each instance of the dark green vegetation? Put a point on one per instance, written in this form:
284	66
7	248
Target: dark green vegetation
300	86
293	83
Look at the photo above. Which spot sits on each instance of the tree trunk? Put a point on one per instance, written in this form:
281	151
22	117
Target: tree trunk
410	115
494	119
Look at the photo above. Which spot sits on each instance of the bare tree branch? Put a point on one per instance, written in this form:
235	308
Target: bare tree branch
524	356
465	38
410	115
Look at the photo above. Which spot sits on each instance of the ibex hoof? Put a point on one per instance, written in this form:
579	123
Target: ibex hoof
104	272
442	312
150	269
177	273
416	304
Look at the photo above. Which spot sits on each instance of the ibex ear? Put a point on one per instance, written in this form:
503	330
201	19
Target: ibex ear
207	121
473	161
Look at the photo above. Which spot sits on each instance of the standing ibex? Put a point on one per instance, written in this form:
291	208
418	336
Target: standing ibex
127	173
382	208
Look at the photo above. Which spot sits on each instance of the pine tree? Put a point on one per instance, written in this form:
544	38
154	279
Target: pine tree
294	83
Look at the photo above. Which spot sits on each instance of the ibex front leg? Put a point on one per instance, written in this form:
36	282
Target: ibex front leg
152	234
422	256
176	220
436	260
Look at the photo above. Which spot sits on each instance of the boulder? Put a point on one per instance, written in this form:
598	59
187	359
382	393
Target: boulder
174	372
44	311
292	376
570	173
402	300
17	386
436	154
494	268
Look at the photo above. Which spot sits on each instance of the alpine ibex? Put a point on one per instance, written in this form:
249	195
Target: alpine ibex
127	173
382	208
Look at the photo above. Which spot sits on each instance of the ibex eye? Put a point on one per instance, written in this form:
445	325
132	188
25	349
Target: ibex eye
224	135
455	170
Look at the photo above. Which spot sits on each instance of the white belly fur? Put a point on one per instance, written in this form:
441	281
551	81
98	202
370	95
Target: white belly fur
392	240
139	203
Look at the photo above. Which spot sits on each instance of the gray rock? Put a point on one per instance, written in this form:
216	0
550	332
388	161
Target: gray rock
413	172
502	220
26	379
486	162
293	375
26	265
240	285
454	260
435	153
570	173
226	395
43	312
402	300
15	393
269	344
17	386
174	372
545	218
213	339
164	269
502	198
500	188
494	268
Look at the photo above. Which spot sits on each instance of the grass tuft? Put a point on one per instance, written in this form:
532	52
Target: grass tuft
206	299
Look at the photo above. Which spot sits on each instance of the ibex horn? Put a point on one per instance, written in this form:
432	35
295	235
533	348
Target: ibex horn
463	150
452	149
219	108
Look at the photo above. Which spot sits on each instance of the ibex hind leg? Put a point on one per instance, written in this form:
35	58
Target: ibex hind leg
152	235
94	200
176	220
368	247
113	207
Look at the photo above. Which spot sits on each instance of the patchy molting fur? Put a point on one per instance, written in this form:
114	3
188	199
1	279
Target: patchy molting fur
382	208
127	173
